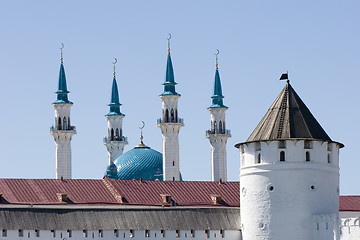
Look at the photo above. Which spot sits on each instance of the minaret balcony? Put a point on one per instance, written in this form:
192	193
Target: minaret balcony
114	138
178	120
218	132
61	129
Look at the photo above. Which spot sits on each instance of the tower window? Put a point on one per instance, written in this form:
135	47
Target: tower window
147	233
85	233
192	233
258	158
112	135
69	232
132	233
176	116
215	127
162	233
177	232
53	233
282	156
329	158
307	144
173	178
116	233
207	233
101	233
59	124
282	144
167	115
220	127
117	134
37	233
307	155
173	163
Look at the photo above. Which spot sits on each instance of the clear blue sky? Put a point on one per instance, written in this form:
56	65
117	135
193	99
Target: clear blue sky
316	41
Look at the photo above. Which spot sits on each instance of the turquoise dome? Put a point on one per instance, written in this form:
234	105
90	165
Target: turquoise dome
140	162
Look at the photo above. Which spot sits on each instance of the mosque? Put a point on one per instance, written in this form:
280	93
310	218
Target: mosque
288	189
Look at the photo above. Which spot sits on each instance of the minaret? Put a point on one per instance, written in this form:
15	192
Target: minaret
63	130
289	175
218	134
115	141
170	124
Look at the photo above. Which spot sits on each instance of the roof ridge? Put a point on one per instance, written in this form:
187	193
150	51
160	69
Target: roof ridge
107	182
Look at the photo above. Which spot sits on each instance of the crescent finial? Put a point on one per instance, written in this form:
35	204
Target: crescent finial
114	65
61	53
169	43
142	125
216	54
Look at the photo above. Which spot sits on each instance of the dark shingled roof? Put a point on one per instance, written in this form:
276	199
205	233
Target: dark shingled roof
288	117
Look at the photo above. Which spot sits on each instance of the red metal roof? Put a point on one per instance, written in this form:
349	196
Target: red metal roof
129	192
350	203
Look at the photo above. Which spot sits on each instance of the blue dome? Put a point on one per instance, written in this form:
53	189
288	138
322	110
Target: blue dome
140	162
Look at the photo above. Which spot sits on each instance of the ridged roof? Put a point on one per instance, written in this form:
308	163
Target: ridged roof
288	117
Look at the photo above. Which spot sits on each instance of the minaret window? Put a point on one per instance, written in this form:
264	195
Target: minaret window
167	115
282	156
112	135
121	133
176	116
307	156
329	158
215	127
59	124
64	124
117	134
172	115
220	127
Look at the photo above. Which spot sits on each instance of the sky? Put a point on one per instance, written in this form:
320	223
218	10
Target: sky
317	42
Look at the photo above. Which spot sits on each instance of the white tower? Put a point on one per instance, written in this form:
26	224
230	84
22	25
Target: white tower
115	141
289	175
63	130
218	134
170	125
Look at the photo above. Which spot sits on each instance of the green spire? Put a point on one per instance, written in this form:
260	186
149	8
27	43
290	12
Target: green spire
169	84
217	98
62	92
114	103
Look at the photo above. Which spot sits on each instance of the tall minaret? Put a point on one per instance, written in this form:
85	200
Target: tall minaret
218	134
115	142
63	130
170	124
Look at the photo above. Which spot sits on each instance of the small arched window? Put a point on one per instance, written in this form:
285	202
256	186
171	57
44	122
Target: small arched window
112	135
176	116
282	156
329	158
172	114
220	127
121	132
307	155
64	124
59	123
258	158
166	115
117	133
215	127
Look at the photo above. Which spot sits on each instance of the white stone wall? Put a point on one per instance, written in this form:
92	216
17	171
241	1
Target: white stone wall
122	234
115	148
350	228
279	198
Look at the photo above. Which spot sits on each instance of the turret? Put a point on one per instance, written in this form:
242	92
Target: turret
218	134
289	175
170	124
63	130
115	141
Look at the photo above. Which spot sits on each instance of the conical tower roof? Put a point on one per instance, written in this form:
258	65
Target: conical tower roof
62	92
287	118
114	102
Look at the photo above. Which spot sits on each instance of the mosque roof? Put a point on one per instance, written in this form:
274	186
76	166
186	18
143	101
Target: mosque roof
288	117
141	162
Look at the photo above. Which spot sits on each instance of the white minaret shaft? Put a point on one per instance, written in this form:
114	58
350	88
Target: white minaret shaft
170	125
63	130
218	134
115	141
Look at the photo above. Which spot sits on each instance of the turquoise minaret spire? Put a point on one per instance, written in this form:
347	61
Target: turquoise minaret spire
115	141
62	92
169	84
217	98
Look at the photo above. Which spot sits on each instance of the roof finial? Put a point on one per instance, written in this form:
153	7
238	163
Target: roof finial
169	43
114	66
61	53
141	136
285	76
216	54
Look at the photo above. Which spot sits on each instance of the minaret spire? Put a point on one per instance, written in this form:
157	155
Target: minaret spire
170	124
115	141
63	130
218	134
